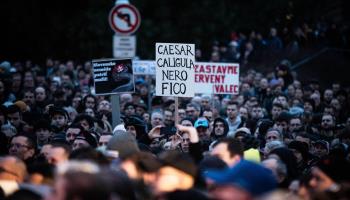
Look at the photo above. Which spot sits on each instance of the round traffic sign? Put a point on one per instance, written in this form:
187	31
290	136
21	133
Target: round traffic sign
124	19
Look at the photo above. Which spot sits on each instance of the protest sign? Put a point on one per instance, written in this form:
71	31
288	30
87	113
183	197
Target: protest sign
175	69
144	67
216	78
113	76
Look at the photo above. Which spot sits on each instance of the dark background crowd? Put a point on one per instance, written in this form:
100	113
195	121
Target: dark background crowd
285	135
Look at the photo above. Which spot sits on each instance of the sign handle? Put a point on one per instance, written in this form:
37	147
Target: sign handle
176	110
115	110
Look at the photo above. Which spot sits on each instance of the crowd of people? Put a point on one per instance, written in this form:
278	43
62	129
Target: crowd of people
280	137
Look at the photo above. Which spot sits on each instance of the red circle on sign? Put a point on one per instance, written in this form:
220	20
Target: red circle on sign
133	27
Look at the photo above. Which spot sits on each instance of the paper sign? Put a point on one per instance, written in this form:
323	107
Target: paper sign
175	69
216	78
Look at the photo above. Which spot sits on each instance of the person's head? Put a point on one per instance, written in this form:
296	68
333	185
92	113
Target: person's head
157	118
104	106
85	121
59	117
229	150
42	130
243	112
202	126
257	112
220	127
276	110
40	94
23	146
129	109
89	112
187	122
309	105
208	113
14	115
295	124
90	101
192	110
12	168
178	172
328	95
320	148
232	110
168	118
328	122
28	97
58	153
273	134
277	167
104	139
72	132
281	122
185	142
205	101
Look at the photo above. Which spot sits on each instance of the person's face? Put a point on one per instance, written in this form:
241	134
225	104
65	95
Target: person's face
203	133
221	151
232	111
263	83
43	134
275	112
19	147
205	103
229	192
90	103
272	136
104	139
84	124
295	124
243	112
308	107
90	112
146	117
219	128
181	113
76	102
320	150
257	113
168	118
104	106
14	118
336	104
327	122
139	111
186	123
40	94
29	98
191	112
328	95
130	110
71	134
132	130
59	120
208	115
297	155
185	143
57	155
79	143
282	126
157	119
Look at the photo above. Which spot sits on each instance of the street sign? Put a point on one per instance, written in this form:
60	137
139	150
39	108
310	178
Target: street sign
124	46
124	19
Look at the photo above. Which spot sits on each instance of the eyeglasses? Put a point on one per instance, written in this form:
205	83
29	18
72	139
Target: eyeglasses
3	170
18	146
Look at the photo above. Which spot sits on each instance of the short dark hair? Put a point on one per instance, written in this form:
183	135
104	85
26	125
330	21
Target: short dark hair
234	146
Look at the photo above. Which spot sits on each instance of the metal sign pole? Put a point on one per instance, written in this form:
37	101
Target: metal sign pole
115	110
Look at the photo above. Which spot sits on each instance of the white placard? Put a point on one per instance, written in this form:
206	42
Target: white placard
216	78
144	67
175	69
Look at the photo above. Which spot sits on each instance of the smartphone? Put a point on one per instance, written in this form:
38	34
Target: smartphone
168	131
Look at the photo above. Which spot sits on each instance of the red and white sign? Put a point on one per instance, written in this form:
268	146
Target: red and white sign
216	78
124	19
